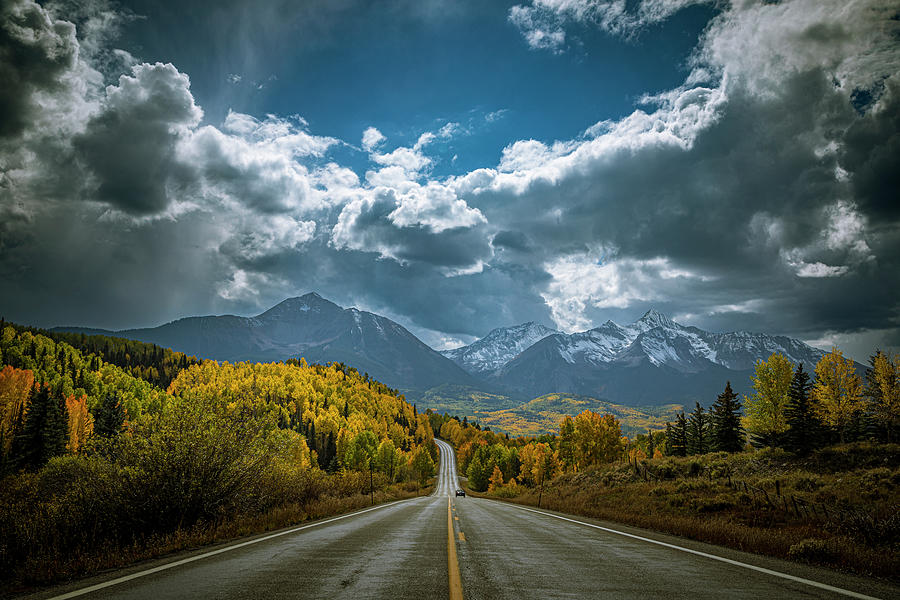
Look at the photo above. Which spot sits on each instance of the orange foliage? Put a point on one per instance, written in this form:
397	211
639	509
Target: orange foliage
15	386
636	454
496	479
81	423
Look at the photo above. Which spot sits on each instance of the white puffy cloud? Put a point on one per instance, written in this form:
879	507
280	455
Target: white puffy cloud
846	229
410	159
842	240
599	280
284	135
371	139
434	206
541	32
245	286
154	105
759	45
259	236
542	21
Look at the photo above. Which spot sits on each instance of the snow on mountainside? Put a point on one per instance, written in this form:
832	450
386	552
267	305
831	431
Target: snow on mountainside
653	360
658	340
498	347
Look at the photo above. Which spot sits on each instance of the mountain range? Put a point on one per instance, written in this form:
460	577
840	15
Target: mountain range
653	361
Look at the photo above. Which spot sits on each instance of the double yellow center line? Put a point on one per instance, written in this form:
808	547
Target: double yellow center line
452	562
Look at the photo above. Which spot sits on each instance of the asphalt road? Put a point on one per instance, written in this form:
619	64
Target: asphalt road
447	547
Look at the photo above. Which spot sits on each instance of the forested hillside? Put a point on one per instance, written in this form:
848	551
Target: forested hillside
328	408
96	461
149	362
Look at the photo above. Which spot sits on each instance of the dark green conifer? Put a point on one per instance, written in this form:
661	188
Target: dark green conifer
804	430
109	417
725	421
698	431
676	436
45	431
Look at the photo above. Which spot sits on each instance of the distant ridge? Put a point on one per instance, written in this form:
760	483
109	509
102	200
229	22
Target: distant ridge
312	327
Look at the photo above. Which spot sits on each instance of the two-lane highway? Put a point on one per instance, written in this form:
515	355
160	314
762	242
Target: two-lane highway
447	547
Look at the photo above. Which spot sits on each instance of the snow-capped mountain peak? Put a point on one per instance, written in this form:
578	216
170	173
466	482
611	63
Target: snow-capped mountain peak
653	318
498	347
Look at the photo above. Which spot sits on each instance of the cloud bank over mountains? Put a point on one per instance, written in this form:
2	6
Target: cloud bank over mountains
760	193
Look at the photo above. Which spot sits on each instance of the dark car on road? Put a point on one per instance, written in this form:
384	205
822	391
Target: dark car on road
460	492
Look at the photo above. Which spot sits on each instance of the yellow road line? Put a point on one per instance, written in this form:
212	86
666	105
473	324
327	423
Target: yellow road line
462	536
452	563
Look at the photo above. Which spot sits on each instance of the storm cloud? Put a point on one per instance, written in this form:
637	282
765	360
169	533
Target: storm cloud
760	193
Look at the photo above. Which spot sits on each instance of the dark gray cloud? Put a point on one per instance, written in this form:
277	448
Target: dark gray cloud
35	51
761	194
870	154
130	145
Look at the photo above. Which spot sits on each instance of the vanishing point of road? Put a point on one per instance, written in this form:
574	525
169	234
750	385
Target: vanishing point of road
441	546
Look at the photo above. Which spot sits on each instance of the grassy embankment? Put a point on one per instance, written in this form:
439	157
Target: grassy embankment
49	561
850	519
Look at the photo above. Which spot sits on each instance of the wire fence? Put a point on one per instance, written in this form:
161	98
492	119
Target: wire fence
791	504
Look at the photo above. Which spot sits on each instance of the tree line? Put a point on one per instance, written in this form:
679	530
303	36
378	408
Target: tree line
789	409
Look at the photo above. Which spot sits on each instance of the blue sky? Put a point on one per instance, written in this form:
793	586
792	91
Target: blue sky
405	72
456	166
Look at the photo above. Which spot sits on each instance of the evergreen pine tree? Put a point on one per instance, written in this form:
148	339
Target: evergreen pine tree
698	431
328	460
45	431
56	431
109	417
804	432
26	445
676	436
311	436
725	422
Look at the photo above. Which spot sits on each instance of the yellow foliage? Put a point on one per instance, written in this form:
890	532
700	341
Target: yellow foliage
334	404
595	439
81	423
496	481
765	409
15	386
837	393
883	390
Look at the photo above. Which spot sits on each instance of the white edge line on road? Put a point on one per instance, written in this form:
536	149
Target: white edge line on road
810	582
191	559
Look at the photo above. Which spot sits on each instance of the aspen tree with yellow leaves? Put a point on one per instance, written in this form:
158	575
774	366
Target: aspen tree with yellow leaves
765	410
883	392
837	393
